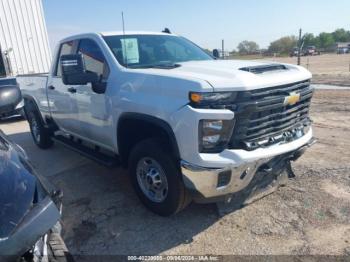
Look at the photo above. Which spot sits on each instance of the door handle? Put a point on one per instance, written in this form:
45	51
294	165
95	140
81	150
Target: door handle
51	87
72	90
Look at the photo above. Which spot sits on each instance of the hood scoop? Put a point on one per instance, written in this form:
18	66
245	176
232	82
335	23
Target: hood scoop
263	68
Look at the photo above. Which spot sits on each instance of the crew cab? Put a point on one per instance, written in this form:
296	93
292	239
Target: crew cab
188	126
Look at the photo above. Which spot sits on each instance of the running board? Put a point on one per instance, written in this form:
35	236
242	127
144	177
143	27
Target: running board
87	152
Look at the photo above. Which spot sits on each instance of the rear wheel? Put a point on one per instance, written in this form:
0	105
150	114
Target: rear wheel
157	179
41	135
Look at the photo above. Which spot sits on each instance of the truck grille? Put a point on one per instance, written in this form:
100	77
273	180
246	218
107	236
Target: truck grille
263	117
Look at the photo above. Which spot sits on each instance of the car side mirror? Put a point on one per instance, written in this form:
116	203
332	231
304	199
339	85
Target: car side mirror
216	53
10	98
74	72
99	87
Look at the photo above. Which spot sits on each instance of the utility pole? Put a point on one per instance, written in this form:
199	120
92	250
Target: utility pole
223	48
300	46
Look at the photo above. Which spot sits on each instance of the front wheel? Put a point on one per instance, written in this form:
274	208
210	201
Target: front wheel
40	133
157	179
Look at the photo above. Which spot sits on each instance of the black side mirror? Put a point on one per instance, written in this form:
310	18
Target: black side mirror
99	87
74	72
216	53
10	97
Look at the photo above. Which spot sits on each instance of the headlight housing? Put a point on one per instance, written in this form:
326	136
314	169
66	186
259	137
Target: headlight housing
213	100
214	135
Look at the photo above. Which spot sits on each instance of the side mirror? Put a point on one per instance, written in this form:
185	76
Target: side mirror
99	87
10	98
216	53
74	72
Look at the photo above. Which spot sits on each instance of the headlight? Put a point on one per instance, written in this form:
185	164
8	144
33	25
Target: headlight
213	100
214	135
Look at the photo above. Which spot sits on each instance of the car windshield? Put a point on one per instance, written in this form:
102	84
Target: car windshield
154	51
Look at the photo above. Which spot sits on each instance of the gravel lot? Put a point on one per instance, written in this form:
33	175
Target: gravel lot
311	215
326	69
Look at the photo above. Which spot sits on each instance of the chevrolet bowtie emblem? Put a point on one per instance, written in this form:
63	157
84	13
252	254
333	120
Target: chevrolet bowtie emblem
292	99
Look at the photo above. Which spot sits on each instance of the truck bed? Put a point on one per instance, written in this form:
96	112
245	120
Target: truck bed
35	86
6	81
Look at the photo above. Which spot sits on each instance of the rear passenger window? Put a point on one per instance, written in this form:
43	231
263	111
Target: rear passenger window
66	49
93	58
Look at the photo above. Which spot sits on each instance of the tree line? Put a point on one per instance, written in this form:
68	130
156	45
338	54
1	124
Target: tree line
284	45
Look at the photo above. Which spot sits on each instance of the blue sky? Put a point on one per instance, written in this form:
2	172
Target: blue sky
205	22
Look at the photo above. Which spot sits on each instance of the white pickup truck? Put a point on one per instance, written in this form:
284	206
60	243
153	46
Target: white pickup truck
187	125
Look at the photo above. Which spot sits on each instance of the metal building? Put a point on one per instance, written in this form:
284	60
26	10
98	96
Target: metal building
24	43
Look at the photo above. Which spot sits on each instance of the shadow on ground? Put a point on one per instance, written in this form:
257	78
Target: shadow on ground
101	213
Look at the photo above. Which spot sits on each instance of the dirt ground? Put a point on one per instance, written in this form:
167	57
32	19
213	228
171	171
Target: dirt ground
311	215
326	69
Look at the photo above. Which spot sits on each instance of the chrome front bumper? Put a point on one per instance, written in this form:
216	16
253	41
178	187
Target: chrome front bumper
204	182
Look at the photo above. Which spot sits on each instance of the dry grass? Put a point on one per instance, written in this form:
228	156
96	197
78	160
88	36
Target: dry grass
330	64
330	69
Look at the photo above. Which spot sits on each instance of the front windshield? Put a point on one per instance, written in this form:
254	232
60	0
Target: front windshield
147	51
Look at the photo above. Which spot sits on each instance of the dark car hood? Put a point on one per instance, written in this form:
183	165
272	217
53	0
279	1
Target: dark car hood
17	187
29	204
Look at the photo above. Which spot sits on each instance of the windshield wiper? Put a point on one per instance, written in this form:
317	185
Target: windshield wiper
166	66
159	66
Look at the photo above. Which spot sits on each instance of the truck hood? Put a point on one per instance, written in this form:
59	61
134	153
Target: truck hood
227	75
26	210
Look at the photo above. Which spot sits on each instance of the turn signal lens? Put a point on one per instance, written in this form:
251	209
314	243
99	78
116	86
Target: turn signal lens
195	97
212	99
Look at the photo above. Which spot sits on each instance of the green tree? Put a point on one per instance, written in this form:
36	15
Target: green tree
247	47
326	40
283	45
341	35
310	40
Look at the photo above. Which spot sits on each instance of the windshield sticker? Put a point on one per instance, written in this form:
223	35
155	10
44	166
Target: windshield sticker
130	51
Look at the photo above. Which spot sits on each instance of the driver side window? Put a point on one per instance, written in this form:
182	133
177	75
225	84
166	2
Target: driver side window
93	58
65	49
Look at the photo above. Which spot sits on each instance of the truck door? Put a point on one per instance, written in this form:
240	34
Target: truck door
94	116
61	100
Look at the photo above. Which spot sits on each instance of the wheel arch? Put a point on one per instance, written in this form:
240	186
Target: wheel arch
135	127
30	101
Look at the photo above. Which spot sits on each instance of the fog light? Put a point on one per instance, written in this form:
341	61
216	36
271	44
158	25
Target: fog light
224	178
245	173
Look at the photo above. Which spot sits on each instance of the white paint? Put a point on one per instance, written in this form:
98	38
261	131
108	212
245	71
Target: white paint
23	36
162	94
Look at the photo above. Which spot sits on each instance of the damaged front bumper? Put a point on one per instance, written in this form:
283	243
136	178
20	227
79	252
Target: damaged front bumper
216	184
35	224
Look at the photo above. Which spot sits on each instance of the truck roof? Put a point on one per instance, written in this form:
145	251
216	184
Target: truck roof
133	33
116	33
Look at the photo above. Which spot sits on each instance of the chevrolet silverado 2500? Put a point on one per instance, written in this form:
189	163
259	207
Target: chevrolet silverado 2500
187	126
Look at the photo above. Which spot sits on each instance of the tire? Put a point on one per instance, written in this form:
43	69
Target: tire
40	134
151	156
